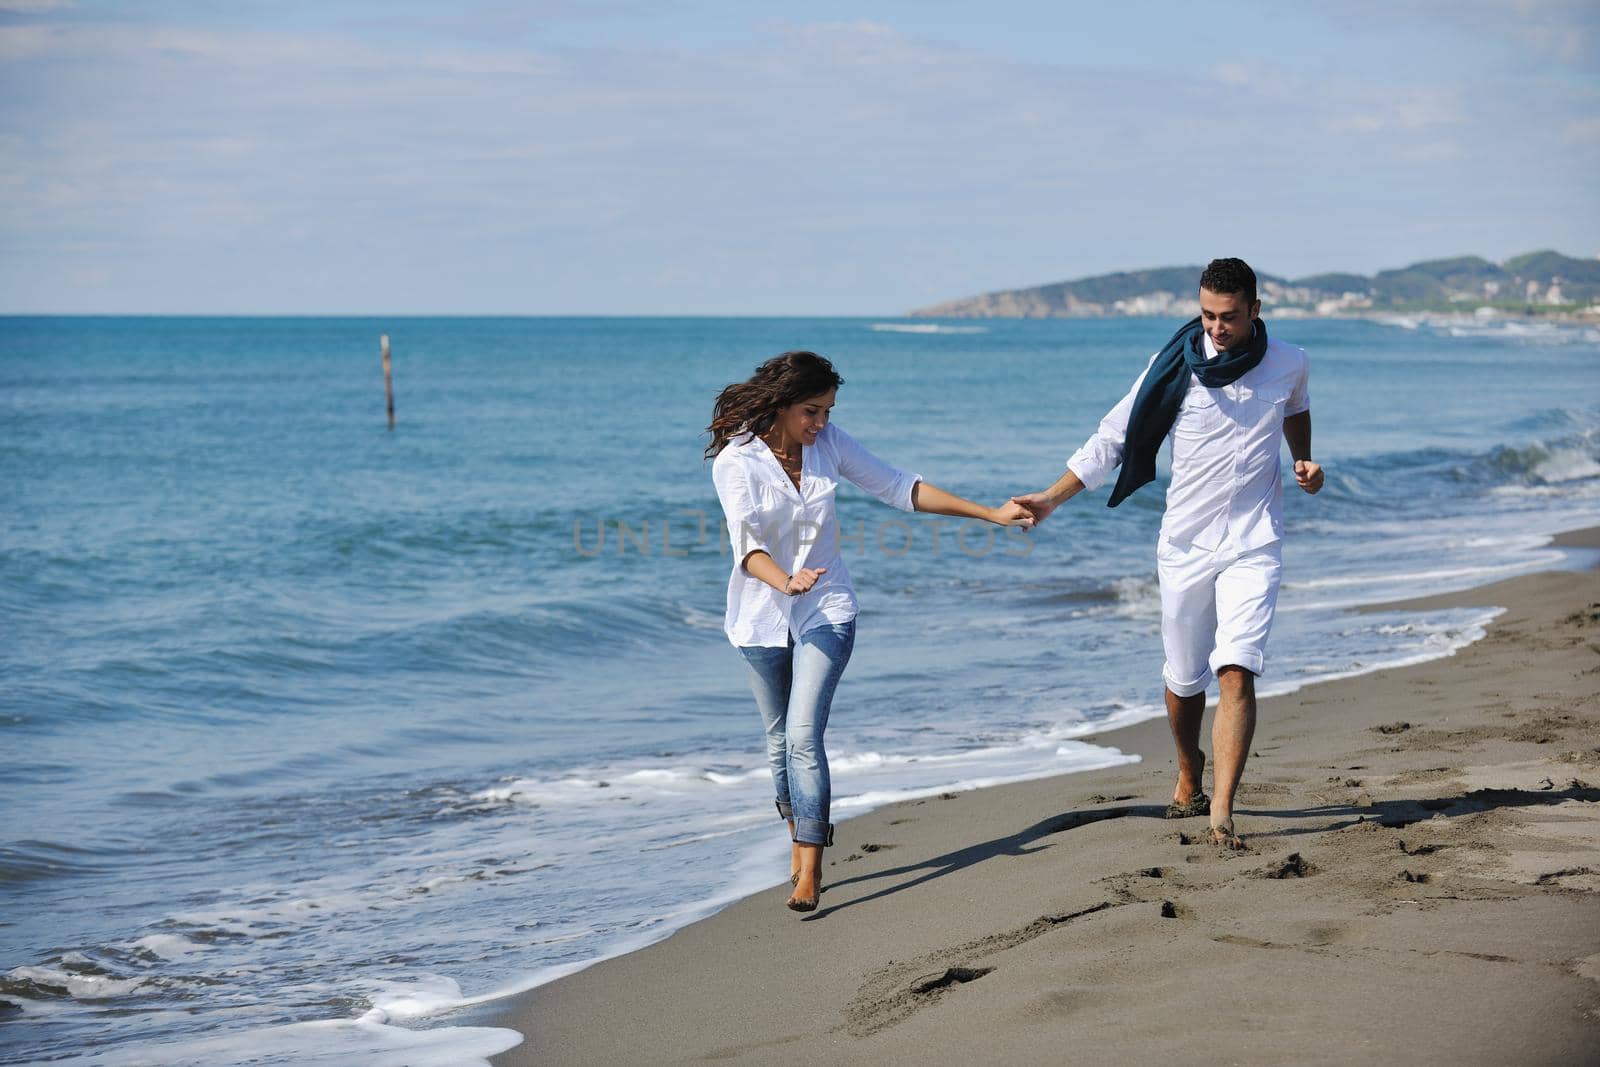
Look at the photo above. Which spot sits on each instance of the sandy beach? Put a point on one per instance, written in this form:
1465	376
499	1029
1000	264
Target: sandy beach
1422	884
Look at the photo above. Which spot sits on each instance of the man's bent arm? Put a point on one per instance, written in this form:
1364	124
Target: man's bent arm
1297	432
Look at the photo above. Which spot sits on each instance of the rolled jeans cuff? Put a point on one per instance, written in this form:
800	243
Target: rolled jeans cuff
785	809
813	832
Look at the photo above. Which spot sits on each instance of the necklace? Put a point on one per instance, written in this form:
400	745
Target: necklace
782	454
789	461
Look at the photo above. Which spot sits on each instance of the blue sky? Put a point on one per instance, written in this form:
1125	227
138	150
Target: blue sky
562	157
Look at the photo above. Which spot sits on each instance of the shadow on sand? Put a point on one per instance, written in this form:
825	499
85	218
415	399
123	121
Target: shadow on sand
1391	813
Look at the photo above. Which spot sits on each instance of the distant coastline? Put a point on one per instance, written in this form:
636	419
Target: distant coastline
1542	284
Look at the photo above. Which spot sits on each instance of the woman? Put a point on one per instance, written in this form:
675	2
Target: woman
791	608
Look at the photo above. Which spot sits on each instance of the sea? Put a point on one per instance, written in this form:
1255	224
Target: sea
318	735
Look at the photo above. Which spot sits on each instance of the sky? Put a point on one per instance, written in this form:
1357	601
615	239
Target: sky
743	157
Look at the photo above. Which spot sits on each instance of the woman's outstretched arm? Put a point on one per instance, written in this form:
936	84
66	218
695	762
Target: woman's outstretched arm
935	501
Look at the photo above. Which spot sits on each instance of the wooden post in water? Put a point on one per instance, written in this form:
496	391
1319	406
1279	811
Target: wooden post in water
388	378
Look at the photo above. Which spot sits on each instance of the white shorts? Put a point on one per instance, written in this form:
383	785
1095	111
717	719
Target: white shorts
1216	609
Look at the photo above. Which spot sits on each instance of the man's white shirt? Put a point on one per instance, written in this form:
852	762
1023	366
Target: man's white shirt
1226	492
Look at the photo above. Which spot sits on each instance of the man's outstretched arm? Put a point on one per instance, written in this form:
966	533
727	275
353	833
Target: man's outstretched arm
1039	505
1092	464
1297	431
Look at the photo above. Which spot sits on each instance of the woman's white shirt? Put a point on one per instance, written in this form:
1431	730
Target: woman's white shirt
796	527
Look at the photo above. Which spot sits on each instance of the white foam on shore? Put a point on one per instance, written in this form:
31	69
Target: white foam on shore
1477	574
368	1041
1437	641
862	803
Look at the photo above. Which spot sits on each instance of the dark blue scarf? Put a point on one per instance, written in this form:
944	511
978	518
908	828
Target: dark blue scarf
1165	384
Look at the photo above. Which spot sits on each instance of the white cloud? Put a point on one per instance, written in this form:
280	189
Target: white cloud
1582	131
1232	73
33	7
1368	123
1441	151
1404	111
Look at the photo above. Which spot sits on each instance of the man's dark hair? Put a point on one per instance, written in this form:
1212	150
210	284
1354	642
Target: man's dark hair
1230	276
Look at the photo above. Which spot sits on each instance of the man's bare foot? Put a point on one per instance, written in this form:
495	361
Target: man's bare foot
1221	833
1188	799
1189	777
1199	804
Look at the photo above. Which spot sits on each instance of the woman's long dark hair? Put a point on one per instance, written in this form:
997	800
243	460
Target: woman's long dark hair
753	404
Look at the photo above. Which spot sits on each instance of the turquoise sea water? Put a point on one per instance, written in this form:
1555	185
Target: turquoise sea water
311	731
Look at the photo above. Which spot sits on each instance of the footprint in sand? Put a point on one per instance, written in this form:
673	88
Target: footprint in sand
951	977
1293	867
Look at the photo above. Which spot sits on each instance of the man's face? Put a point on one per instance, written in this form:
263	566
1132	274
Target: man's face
1227	318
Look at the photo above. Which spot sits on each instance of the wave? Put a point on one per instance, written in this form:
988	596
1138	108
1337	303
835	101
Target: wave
1565	459
1543	333
1495	327
1569	460
924	328
425	537
35	861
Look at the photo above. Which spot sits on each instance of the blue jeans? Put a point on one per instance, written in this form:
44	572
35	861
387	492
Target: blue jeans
794	690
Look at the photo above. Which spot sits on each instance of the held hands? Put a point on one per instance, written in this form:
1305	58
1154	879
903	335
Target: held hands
1011	513
1037	506
801	581
1308	475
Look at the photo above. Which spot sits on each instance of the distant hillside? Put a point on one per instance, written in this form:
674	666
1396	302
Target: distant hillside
1535	281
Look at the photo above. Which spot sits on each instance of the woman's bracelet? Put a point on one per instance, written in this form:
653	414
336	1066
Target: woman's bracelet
786	582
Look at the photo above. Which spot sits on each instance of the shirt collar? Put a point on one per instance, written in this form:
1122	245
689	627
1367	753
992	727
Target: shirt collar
1210	346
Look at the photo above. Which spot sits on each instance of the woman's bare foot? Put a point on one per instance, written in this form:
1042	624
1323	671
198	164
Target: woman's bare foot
808	880
794	856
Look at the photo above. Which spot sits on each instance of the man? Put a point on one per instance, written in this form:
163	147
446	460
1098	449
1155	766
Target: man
1225	395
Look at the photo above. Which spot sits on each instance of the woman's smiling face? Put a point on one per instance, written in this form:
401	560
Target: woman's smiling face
803	421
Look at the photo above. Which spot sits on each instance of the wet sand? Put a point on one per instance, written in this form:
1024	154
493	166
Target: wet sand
1421	884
